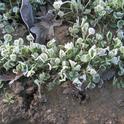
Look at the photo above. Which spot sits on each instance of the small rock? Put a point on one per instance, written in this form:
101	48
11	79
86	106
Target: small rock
51	118
109	122
48	111
120	103
84	121
30	90
67	91
43	99
20	100
121	119
17	87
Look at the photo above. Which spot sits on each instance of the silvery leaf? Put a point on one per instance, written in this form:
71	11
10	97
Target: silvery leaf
51	53
15	9
43	57
118	42
120	24
121	69
96	78
91	85
118	15
92	52
120	34
85	28
99	36
34	55
113	52
57	61
109	36
107	75
27	13
51	43
91	70
77	83
85	58
77	68
2	6
40	33
62	53
18	42
7	37
122	49
72	63
83	21
115	60
42	76
8	29
83	77
62	77
102	52
69	46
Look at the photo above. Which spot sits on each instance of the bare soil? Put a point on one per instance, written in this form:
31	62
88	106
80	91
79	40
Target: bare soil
101	106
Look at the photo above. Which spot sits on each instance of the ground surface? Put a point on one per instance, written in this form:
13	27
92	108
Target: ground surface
104	106
61	106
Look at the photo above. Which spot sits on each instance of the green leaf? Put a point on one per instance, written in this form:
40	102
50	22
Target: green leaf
19	42
77	83
42	57
96	78
85	28
51	43
122	50
51	53
85	58
91	85
99	36
15	9
43	76
57	61
113	52
118	43
121	69
9	29
62	54
115	60
69	46
2	6
77	68
92	52
13	57
118	15
7	38
120	24
1	84
109	36
72	63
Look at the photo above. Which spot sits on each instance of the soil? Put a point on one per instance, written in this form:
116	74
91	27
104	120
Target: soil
62	34
101	106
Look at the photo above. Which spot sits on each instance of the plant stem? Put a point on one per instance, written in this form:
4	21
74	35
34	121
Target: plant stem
10	2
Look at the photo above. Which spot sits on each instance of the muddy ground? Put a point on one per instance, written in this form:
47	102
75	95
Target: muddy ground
101	106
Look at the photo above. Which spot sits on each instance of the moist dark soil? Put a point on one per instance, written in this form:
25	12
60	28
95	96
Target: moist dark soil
101	106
